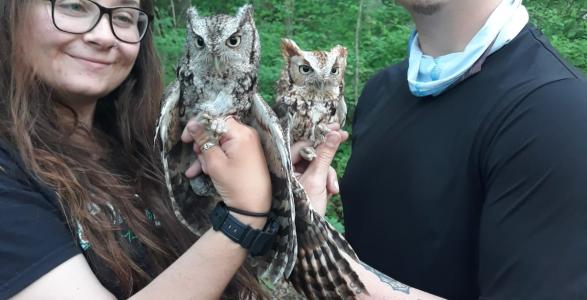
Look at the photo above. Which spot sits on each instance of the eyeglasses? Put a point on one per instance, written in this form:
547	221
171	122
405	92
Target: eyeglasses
128	24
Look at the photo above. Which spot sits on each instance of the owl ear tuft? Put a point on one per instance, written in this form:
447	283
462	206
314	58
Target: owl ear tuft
340	51
289	48
245	14
192	13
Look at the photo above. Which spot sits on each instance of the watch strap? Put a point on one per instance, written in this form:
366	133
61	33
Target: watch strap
258	242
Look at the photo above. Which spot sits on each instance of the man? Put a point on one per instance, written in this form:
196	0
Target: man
468	180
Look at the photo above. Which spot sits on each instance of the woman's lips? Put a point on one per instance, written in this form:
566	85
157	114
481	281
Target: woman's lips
92	62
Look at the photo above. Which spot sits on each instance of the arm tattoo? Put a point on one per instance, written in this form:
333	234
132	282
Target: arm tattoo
394	284
358	290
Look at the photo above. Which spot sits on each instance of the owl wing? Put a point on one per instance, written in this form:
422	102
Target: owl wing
341	111
190	209
321	272
167	124
280	261
281	109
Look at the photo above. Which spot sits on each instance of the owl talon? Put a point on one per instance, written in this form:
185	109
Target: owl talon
218	127
321	131
215	127
308	153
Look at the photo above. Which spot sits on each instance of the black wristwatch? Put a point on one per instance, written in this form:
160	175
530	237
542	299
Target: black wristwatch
258	242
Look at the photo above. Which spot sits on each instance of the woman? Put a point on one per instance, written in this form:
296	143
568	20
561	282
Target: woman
82	205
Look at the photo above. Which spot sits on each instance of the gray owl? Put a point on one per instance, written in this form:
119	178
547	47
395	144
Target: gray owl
311	92
217	77
310	96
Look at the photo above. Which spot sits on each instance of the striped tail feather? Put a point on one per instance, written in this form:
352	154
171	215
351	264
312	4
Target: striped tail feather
322	272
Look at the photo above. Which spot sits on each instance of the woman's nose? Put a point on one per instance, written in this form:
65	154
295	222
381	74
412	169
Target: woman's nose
102	35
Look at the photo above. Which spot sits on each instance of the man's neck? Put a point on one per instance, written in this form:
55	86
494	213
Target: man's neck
450	29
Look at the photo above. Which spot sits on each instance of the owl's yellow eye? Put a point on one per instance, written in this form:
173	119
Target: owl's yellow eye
334	71
200	42
233	41
305	69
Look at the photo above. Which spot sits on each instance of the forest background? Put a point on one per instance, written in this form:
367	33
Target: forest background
374	31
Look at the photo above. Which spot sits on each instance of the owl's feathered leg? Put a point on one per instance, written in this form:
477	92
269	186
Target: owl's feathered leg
214	114
318	136
308	153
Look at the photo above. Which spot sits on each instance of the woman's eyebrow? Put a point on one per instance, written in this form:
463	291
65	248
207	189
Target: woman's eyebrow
132	3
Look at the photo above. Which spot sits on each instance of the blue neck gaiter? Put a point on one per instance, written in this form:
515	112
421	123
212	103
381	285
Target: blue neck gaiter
433	75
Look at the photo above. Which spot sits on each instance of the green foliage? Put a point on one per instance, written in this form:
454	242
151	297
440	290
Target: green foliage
565	24
322	24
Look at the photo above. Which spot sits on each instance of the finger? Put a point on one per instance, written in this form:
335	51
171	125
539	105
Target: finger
232	129
295	151
194	170
333	126
186	136
301	166
238	137
320	166
332	182
211	154
203	164
344	136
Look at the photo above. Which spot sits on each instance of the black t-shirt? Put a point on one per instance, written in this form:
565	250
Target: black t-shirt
481	192
34	236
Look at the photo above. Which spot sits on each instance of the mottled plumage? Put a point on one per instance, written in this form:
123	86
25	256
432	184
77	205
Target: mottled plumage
311	92
217	77
310	96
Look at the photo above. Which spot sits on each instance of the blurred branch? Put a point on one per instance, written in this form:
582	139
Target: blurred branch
357	43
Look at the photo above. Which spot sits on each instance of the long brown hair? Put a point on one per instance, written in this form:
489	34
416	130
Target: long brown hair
127	175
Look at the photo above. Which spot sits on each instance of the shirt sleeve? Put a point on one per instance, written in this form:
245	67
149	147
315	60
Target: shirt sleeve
533	229
34	239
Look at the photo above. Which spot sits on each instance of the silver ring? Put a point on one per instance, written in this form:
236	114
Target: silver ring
207	146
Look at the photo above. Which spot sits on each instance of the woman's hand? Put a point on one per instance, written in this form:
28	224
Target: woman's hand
237	165
317	177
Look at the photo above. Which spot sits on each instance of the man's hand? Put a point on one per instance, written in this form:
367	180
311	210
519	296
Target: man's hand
317	177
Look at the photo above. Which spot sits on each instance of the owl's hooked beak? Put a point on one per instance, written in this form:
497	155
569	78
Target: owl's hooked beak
319	84
217	63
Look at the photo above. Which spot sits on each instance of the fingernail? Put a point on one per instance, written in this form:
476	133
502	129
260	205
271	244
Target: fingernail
192	128
336	186
332	139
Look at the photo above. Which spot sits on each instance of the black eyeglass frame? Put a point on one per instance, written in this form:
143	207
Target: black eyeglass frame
108	11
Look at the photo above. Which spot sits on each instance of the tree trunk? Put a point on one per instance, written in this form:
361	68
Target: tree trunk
290	8
172	4
182	7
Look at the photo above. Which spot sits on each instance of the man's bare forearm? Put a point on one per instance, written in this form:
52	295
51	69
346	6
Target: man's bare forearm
381	286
